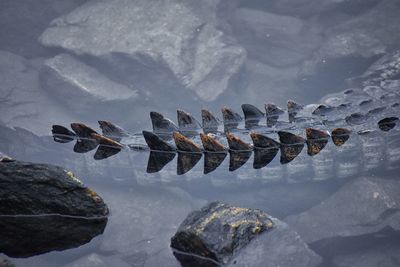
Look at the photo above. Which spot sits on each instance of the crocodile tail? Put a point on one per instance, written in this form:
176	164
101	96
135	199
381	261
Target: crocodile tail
112	131
316	140
210	122
61	134
156	143
291	146
252	115
231	119
162	125
293	108
388	123
186	120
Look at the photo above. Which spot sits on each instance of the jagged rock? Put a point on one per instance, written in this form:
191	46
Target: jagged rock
34	189
65	77
96	260
364	205
23	21
22	102
222	234
172	36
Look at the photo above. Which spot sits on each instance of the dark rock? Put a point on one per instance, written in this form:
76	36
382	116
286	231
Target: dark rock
362	206
37	189
220	234
218	230
45	208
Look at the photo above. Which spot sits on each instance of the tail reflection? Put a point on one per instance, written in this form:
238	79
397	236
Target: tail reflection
157	161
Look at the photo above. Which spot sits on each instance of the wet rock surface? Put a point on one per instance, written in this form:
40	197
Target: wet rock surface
223	234
363	206
218	230
35	189
45	208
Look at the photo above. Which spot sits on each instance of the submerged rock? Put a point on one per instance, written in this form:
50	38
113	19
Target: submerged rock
65	77
362	206
220	234
23	103
178	39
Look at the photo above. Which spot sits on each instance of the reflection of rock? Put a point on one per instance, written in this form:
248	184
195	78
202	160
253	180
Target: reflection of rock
65	77
45	208
180	37
25	236
362	206
22	102
226	234
96	260
36	189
